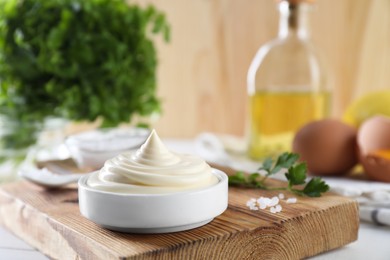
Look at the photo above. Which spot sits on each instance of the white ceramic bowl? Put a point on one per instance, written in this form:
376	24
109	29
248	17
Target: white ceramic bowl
92	149
155	213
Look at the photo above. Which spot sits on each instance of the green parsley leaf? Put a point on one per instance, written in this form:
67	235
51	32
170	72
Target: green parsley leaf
296	175
238	178
267	164
253	178
276	169
315	187
286	160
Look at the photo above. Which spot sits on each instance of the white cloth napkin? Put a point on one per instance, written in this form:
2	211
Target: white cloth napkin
229	151
225	150
373	197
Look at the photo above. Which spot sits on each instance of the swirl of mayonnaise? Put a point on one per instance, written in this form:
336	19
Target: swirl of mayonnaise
152	169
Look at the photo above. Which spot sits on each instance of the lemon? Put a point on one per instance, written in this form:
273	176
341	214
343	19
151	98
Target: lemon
371	104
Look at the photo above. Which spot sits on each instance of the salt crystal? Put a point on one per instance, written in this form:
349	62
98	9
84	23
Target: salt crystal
260	200
251	202
267	201
262	205
276	209
263	201
291	200
273	201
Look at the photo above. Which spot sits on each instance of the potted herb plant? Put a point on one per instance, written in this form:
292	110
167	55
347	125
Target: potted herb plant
80	60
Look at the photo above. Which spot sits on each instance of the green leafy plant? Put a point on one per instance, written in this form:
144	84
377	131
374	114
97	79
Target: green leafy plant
295	175
78	59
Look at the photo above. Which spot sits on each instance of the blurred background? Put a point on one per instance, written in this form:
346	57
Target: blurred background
202	71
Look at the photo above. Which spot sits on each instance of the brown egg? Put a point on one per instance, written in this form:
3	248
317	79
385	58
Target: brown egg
374	147
327	146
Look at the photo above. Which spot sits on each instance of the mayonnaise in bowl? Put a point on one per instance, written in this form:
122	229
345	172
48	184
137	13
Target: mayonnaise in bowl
153	190
152	169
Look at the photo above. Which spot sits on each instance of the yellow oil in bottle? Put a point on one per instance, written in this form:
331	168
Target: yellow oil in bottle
276	116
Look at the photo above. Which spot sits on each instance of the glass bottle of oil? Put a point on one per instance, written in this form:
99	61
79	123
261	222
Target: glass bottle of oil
286	84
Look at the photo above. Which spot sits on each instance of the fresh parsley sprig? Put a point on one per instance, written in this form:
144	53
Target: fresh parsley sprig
295	175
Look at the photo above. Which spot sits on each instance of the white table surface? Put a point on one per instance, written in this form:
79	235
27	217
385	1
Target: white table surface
373	241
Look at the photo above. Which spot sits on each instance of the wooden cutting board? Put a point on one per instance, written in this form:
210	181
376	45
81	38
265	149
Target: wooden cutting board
50	221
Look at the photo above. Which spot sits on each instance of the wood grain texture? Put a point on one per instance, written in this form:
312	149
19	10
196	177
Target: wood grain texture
202	73
51	222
